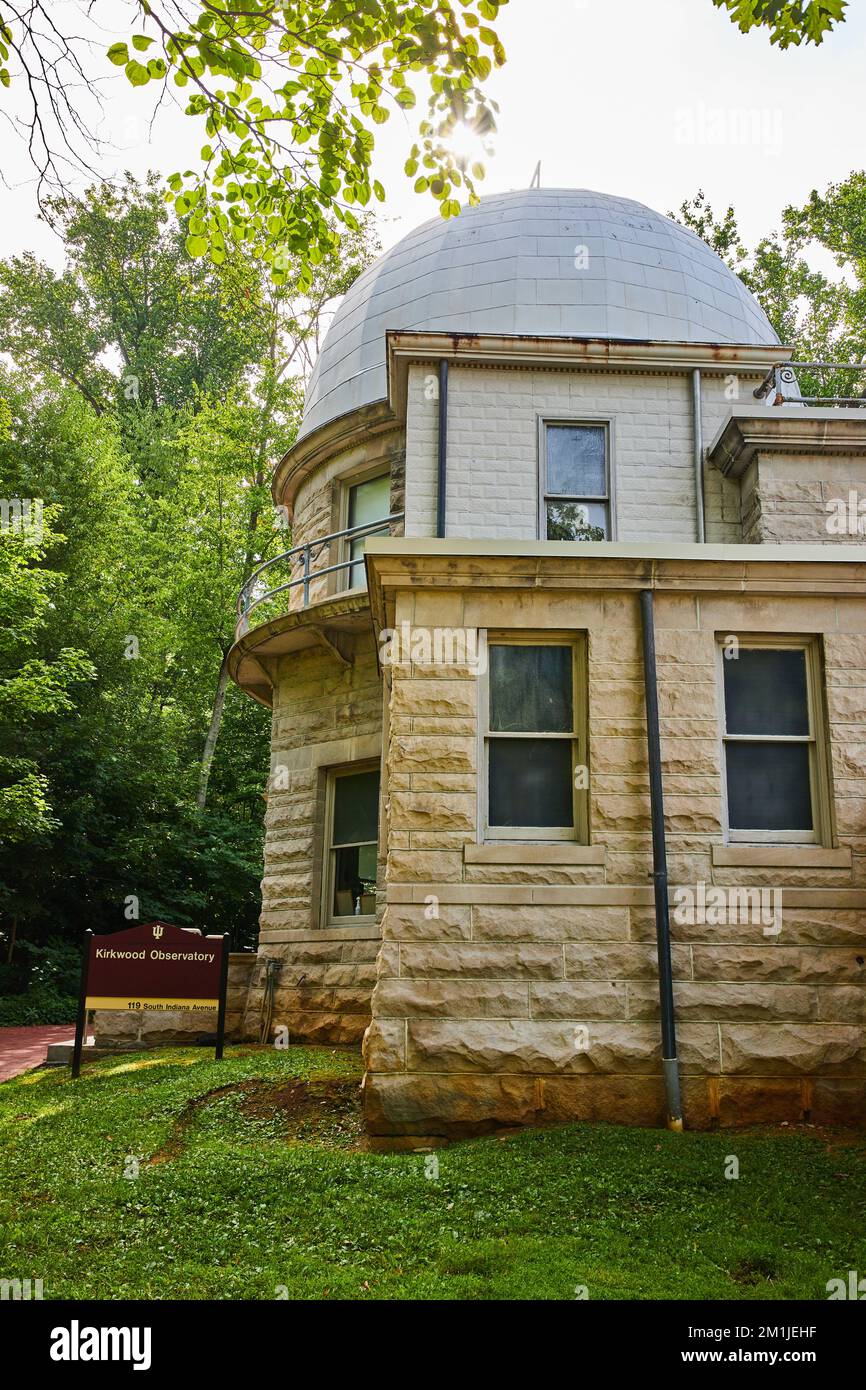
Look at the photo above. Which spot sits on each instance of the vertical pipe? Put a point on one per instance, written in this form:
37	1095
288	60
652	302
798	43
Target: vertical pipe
670	1065
221	1013
81	1014
441	489
698	436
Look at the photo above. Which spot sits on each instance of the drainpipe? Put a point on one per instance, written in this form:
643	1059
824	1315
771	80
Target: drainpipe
670	1064
698	436
441	492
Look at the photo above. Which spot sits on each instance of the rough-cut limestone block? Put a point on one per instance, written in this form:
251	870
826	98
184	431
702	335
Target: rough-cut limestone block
341	1029
794	964
626	962
450	699
622	1100
578	1000
388	961
842	1004
838	1102
449	1105
445	782
427	810
425	866
719	1001
509	922
480	961
385	1045
542	874
540	1047
422	753
450	999
426	922
800	926
785	1048
158	1029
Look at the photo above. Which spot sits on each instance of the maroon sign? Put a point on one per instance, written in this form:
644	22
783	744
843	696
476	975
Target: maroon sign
154	966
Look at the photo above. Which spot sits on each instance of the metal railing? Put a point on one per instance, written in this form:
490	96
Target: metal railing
782	385
252	595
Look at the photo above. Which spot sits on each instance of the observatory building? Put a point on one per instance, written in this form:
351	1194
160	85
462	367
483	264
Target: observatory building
566	816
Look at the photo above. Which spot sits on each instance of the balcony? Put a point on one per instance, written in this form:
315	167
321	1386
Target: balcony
834	381
260	595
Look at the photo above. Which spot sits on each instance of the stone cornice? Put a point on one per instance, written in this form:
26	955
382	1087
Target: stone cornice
791	429
399	563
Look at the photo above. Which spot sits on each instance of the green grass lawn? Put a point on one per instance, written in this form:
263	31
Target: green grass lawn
252	1175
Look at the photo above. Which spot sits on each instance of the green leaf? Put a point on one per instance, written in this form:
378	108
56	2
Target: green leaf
196	245
137	74
118	54
141	42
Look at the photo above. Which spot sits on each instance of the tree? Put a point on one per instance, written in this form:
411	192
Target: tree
156	782
821	317
790	22
289	96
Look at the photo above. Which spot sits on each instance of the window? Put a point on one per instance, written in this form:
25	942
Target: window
575	487
535	741
367	501
352	822
776	778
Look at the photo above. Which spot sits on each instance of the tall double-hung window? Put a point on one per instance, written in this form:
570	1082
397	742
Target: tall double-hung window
776	776
535	740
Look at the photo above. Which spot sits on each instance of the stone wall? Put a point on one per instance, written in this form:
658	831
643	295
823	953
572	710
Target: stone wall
317	504
493	449
325	715
495	957
797	499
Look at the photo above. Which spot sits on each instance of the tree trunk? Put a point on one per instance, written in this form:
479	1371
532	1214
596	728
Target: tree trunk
212	733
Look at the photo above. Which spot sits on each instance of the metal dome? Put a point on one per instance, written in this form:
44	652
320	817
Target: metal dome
547	262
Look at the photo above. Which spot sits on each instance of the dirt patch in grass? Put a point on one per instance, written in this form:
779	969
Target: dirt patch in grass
316	1111
327	1111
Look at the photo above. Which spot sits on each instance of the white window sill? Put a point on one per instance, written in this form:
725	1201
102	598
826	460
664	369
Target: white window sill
782	856
531	852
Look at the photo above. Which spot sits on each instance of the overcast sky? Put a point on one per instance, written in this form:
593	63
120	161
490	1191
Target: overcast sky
651	99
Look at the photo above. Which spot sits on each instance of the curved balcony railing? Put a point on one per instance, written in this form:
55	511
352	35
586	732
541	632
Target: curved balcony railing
782	386
256	591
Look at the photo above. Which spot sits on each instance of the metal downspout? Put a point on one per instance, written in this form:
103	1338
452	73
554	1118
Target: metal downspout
670	1063
698	437
442	472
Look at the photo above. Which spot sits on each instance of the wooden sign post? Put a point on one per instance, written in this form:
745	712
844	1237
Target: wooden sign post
152	968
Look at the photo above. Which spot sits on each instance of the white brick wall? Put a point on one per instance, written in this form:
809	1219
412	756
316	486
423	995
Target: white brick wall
493	450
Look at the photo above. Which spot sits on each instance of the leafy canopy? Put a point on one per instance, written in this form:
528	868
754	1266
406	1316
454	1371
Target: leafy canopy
790	22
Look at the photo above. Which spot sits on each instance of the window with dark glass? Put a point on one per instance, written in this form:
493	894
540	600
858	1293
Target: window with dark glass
576	483
352	847
771	746
368	501
532	741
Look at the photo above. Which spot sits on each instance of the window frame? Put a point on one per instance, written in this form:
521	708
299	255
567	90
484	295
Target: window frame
367	474
591	421
578	833
327	917
817	740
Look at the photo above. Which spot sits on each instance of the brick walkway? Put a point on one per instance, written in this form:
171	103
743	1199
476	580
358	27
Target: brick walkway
23	1048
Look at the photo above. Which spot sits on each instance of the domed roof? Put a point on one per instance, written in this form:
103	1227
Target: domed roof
546	262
